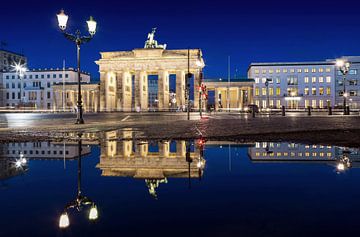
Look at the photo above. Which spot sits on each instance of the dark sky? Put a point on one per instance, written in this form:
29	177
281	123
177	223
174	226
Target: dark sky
248	31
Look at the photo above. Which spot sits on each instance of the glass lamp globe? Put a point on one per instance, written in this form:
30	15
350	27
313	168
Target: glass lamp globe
64	220
93	214
91	25
62	20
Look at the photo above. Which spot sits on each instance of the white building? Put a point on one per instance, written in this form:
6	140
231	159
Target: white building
352	84
7	60
36	86
294	84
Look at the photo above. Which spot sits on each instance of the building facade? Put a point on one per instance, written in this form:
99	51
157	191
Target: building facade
7	61
235	94
65	96
34	88
352	84
294	84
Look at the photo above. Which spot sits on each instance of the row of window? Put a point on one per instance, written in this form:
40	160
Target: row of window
293	154
34	84
25	152
291	70
290	145
293	80
277	103
36	76
32	95
292	92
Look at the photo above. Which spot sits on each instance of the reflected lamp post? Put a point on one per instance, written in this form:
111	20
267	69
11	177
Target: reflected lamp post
344	162
344	68
80	200
78	40
201	161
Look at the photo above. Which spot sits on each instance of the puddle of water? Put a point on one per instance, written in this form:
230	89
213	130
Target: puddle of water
187	187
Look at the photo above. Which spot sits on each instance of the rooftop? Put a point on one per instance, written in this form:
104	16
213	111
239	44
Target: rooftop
51	70
7	51
226	80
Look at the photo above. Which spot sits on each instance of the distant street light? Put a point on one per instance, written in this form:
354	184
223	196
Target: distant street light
344	68
78	40
20	69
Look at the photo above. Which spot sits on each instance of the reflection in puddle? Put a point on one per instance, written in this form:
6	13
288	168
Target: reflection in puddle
158	163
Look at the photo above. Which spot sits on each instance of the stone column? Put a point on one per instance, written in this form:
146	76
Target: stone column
102	104
138	89
126	91
180	149
216	98
119	90
144	91
163	90
196	89
180	88
164	149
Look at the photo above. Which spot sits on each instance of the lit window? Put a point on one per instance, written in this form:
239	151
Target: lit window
328	69
321	69
328	91
313	79
306	91
271	91
313	91
328	79
292	70
306	70
256	80
299	70
256	71
313	70
306	79
285	70
257	91
300	154
321	90
278	103
277	70
278	90
271	71
321	79
263	79
263	71
277	80
263	91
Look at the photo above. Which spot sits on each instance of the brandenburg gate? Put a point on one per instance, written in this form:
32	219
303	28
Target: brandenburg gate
124	76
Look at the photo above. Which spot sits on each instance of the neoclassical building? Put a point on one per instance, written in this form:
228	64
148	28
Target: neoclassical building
124	77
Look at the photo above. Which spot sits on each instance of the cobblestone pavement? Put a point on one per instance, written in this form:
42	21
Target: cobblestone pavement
335	129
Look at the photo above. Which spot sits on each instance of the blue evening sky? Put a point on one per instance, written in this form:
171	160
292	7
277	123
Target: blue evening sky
248	31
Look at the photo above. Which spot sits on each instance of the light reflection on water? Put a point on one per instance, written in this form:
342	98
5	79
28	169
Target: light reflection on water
222	187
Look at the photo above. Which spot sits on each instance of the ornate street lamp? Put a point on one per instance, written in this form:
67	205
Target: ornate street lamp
80	201
78	40
344	68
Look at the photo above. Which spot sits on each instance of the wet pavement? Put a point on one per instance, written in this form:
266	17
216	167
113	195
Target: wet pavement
334	129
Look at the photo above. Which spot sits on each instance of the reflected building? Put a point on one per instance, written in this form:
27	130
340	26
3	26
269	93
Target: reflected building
154	162
295	152
43	150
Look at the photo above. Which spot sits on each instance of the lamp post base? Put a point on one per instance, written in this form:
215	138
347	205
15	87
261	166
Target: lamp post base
80	121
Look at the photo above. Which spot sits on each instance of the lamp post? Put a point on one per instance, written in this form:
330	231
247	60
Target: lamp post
78	40
80	201
20	70
268	80
344	68
200	65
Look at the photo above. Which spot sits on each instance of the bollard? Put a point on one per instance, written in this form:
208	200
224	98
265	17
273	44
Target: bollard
309	111
283	110
329	111
253	112
347	110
